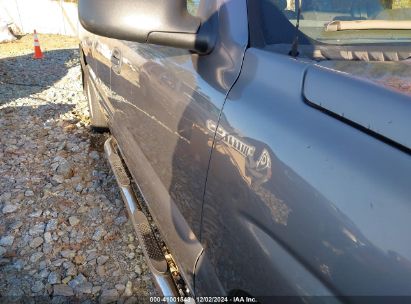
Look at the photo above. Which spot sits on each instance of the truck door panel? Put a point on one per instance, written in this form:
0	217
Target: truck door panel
309	204
103	48
87	47
163	99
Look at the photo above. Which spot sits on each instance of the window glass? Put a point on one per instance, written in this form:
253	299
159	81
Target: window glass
343	21
192	6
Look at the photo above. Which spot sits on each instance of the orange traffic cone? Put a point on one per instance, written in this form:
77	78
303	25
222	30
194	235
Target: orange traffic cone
37	50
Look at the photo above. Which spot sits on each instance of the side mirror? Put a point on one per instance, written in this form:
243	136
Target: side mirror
162	22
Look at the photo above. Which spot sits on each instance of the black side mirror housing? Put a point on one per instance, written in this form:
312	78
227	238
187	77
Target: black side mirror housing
162	22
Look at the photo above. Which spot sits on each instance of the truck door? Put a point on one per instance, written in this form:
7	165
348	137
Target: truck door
166	102
103	54
309	184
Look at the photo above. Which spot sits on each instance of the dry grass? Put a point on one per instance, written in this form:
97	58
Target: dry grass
24	44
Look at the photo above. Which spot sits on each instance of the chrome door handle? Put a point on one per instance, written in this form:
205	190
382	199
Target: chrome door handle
116	60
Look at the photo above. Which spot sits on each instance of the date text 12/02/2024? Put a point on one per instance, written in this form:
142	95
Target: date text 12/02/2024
239	299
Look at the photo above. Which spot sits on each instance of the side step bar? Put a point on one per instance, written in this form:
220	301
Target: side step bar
152	251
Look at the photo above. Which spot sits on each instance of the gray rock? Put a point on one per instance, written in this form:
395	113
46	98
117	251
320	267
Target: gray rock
101	271
36	214
120	287
131	300
68	264
18	265
47	237
28	193
54	278
54	166
73	220
7	240
80	279
62	290
37	229
72	271
42	265
138	270
65	169
35	257
58	179
9	208
16	225
51	225
2	251
116	273
95	215
129	289
99	233
78	188
36	242
44	273
37	286
120	220
92	263
96	289
101	260
94	155
58	262
73	147
108	296
69	254
14	291
82	209
5	196
92	255
85	287
47	248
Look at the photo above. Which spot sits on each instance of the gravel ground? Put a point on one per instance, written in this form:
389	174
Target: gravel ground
64	230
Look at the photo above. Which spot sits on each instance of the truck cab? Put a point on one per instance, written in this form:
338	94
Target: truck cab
268	142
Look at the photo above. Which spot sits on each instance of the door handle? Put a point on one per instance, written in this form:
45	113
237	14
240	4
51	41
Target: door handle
116	60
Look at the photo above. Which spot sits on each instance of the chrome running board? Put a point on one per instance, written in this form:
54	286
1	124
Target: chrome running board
151	249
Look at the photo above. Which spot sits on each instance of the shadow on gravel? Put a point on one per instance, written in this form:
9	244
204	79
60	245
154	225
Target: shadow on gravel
39	112
23	76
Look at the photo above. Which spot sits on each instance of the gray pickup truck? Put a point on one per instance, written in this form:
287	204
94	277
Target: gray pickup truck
262	147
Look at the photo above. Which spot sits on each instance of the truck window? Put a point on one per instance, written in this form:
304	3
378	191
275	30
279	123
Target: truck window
192	6
339	21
